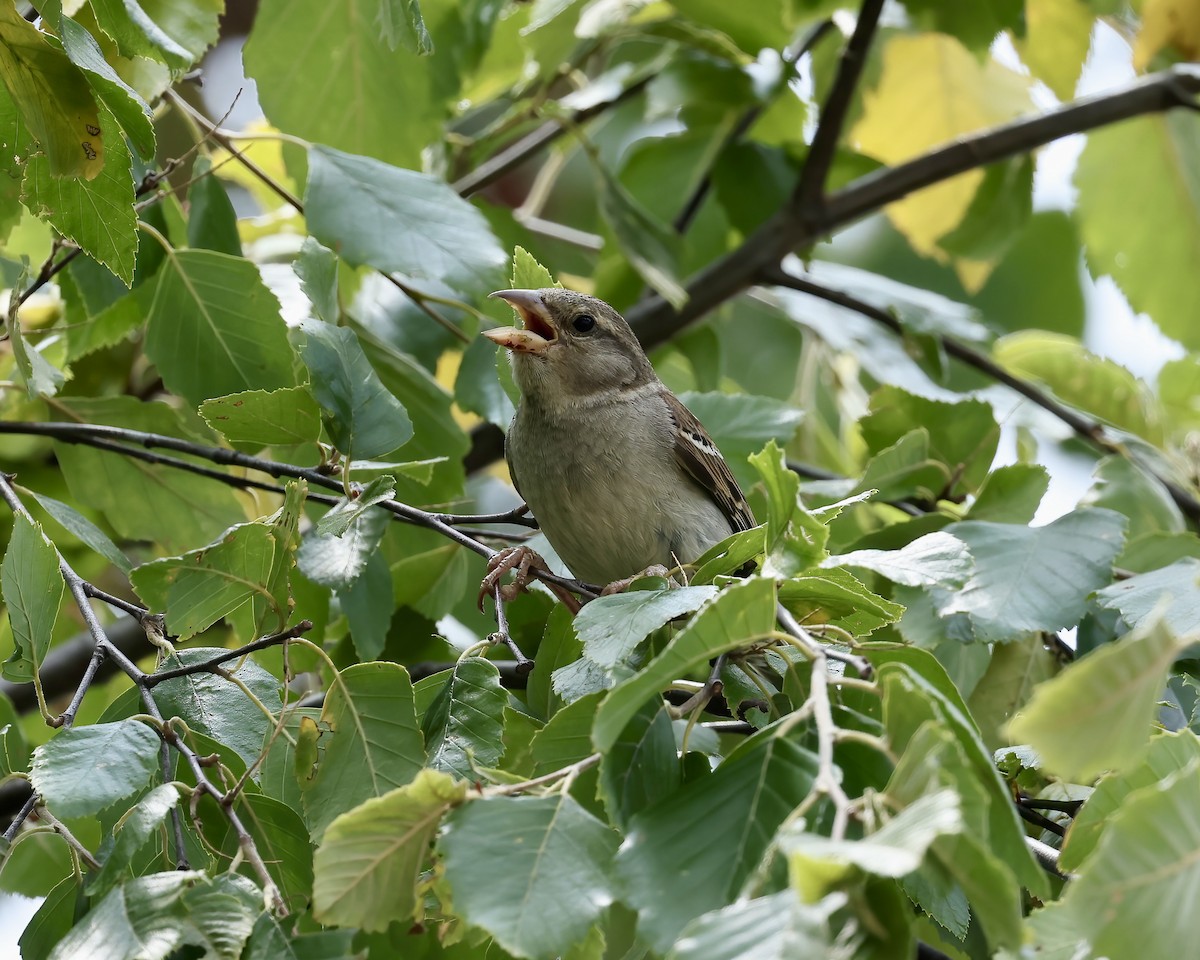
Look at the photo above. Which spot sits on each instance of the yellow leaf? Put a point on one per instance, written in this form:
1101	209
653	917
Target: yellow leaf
931	90
1167	23
1058	34
52	96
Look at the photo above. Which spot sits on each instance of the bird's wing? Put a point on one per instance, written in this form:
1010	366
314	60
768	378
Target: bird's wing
699	456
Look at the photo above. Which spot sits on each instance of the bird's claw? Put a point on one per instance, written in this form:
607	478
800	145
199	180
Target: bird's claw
620	586
520	559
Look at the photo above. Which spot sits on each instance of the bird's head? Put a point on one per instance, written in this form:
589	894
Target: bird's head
569	346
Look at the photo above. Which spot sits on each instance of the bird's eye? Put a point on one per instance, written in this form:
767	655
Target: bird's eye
584	322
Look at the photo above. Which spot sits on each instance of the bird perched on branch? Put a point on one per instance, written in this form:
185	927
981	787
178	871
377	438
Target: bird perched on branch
620	475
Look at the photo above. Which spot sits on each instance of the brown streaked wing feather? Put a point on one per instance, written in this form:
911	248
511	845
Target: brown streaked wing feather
699	456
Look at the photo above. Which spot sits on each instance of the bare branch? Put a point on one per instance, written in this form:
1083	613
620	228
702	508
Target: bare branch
810	191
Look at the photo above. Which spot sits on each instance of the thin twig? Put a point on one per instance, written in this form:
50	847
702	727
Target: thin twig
102	436
793	628
72	841
1038	820
208	666
502	636
21	816
512	789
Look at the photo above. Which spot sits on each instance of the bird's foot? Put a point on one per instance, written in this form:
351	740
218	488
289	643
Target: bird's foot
521	560
620	586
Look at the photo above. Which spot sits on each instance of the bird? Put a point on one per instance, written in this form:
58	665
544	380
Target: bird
620	476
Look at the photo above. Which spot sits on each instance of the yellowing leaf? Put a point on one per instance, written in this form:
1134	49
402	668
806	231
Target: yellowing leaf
53	97
1058	34
931	90
1167	23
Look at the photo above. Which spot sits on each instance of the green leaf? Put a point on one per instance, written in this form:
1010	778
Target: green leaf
936	559
894	850
1150	230
1168	754
151	916
918	309
478	388
610	628
261	418
1058	35
1123	486
910	701
212	222
347	103
963	435
40	376
796	540
670	846
651	247
559	646
835	596
566	738
126	104
136	497
33	590
401	23
1034	578
338	562
272	939
54	98
1098	713
534	872
214	328
14	751
132	832
202	586
52	922
1011	494
364	420
102	311
161	29
1144	867
528	274
464	725
1080	378
1173	592
217	707
282	840
97	214
81	527
778	926
317	268
641	767
372	746
1001	206
1014	671
82	770
740	613
369	862
340	517
398	221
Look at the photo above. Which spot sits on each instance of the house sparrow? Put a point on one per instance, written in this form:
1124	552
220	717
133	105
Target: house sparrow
619	474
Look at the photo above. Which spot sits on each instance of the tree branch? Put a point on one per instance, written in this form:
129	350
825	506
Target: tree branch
809	194
121	440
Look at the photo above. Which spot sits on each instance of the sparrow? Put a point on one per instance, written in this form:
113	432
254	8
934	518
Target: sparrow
619	474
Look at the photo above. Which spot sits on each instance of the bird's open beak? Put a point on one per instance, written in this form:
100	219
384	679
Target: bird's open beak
538	332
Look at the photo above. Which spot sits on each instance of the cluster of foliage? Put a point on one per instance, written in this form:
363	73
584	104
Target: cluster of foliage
875	741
